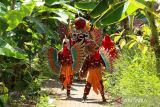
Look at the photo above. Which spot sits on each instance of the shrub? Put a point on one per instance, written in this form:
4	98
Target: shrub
135	75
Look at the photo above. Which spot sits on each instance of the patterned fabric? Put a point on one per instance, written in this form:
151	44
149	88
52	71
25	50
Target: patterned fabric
66	71
65	57
78	56
96	35
94	76
92	65
93	60
53	59
88	88
65	60
106	58
62	78
68	86
109	46
109	52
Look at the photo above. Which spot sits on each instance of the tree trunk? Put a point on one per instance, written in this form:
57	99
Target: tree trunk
155	36
131	20
13	2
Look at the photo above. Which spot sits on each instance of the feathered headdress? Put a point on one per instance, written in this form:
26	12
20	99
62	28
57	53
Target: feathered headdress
66	41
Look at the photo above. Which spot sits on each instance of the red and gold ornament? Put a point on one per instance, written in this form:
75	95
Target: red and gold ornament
80	23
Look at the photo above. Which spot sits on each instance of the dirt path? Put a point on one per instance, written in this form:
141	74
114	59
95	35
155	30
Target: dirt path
94	100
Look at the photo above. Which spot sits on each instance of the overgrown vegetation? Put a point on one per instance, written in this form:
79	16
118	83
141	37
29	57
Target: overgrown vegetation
44	102
27	27
135	76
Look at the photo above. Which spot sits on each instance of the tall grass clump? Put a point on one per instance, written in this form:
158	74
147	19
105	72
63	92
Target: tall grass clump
135	75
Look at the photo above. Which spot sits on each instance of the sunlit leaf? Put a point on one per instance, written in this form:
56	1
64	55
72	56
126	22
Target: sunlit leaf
120	11
117	13
40	27
69	8
132	44
60	19
140	46
116	38
39	3
85	5
139	39
62	14
141	4
34	35
8	50
146	30
145	48
3	9
133	37
59	2
122	42
3	24
138	4
151	0
51	1
100	8
29	43
5	2
14	17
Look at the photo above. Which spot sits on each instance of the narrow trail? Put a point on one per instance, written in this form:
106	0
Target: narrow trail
57	97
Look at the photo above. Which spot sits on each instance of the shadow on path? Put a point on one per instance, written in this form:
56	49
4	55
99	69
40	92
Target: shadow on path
59	96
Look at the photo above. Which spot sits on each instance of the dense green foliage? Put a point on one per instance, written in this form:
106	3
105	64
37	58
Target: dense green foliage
28	27
44	102
135	74
3	95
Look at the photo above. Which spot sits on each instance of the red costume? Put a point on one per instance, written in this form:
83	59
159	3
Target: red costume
92	66
84	39
66	62
66	73
109	47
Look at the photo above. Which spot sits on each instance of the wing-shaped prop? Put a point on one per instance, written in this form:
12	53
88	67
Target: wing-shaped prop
96	35
78	56
105	56
52	55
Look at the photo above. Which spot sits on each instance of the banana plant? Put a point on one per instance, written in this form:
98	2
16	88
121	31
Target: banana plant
34	22
8	50
114	13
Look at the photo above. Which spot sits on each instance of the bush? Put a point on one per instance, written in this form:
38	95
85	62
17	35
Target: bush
3	95
44	102
135	75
